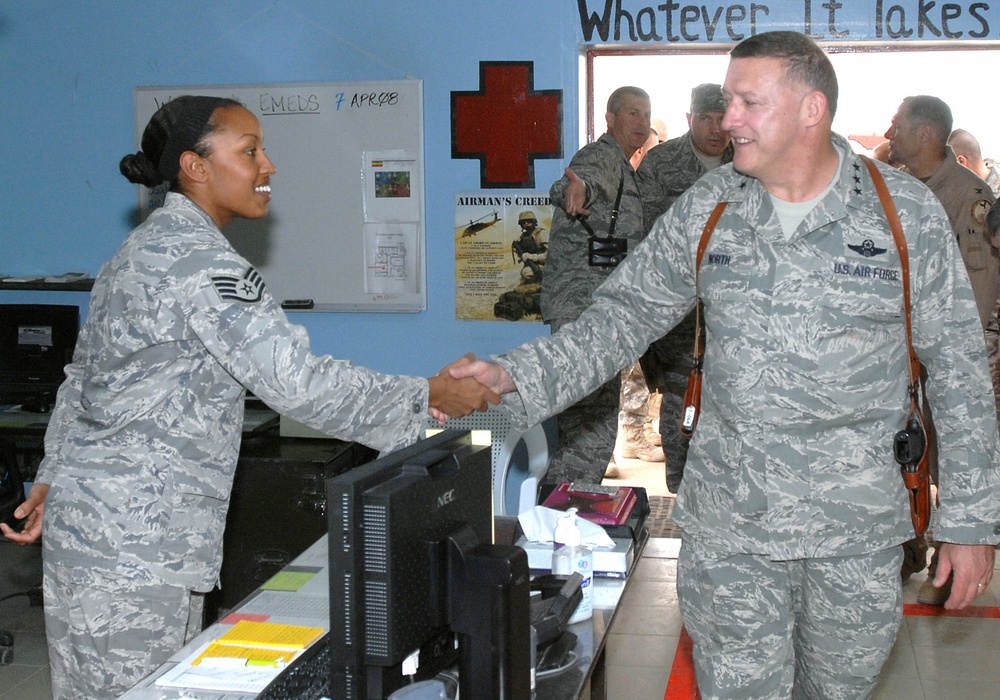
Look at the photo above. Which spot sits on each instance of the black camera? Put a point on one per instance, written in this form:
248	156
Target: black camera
908	445
607	252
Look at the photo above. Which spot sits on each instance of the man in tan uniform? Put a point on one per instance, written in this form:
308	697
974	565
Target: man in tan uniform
918	141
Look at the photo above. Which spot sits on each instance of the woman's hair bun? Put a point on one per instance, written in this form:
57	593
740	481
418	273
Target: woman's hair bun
137	168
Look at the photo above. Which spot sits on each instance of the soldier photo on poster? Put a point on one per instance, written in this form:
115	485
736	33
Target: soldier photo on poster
501	242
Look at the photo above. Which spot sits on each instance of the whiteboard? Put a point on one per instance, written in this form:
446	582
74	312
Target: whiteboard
345	226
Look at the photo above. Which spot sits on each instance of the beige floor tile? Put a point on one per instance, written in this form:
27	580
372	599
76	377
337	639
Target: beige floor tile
945	663
652	651
631	683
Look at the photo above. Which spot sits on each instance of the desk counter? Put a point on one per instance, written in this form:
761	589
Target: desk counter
309	606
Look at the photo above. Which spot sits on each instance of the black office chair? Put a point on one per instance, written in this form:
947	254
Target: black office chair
11	496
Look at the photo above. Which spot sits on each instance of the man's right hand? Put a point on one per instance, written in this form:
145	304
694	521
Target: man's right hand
489	374
32	509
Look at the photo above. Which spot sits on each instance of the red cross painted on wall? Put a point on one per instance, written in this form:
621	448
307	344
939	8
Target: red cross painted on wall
506	124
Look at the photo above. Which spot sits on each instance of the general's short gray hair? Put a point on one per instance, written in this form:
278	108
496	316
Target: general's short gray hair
804	60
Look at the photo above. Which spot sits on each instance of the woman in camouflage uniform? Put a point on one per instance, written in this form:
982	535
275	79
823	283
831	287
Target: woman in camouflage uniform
144	438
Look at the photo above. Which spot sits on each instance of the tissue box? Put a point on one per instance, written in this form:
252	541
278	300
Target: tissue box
607	562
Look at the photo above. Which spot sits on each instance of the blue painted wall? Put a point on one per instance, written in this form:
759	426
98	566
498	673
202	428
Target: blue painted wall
68	69
68	73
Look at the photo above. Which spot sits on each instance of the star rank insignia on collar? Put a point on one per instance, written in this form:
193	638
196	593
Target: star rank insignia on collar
248	289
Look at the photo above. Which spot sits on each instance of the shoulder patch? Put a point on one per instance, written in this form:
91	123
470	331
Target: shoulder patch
979	210
249	288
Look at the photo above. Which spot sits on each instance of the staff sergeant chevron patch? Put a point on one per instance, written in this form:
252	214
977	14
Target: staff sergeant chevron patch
249	288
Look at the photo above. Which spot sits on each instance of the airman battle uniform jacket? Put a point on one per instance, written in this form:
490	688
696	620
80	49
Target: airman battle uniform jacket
805	368
570	281
667	171
143	440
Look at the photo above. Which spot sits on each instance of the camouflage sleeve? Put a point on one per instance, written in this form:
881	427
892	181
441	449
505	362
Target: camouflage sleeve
948	339
557	193
256	343
599	166
64	411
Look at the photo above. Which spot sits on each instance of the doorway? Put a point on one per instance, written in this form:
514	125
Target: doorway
873	81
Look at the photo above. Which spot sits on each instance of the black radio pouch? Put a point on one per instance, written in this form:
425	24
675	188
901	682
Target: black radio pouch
609	250
606	252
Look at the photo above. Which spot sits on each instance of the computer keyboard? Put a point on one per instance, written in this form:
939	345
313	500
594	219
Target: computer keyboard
306	678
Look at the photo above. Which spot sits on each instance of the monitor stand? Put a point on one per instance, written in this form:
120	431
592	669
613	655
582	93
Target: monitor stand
493	627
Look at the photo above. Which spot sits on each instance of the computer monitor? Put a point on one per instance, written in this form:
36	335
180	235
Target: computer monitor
413	567
36	343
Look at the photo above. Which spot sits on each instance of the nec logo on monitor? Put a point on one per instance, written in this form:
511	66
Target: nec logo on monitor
446	498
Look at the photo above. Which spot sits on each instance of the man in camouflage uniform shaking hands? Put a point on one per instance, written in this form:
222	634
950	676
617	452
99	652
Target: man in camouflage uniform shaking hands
792	508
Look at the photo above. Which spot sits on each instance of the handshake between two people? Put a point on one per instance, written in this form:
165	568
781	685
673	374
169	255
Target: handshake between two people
466	385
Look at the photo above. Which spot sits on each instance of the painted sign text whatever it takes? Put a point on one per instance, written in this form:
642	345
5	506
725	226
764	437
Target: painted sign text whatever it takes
603	21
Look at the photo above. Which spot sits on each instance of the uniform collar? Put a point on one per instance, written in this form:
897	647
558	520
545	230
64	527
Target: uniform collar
608	139
853	190
181	202
946	170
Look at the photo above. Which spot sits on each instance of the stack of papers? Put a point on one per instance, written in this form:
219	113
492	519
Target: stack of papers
244	659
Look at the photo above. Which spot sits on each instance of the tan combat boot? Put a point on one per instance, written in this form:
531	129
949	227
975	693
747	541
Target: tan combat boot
636	446
652	425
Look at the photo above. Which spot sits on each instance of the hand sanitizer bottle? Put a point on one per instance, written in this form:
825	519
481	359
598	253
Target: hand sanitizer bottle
569	556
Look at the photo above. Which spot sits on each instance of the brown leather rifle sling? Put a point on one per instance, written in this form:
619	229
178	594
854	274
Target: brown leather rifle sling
916	469
915	466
